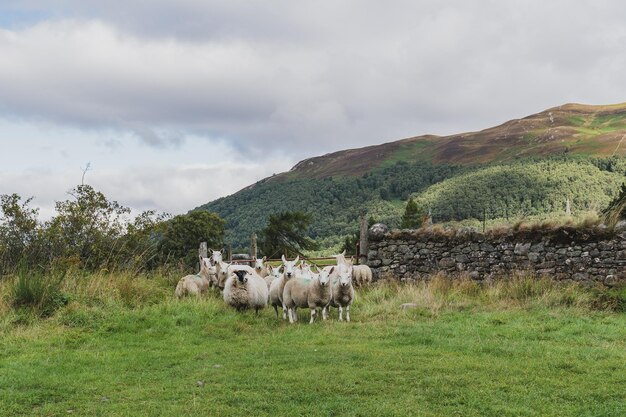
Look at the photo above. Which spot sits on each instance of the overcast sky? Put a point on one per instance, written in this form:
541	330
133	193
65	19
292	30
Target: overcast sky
176	103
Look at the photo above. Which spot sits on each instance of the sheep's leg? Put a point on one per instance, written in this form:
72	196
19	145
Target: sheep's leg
295	313
290	313
340	313
313	314
285	311
348	313
325	313
276	310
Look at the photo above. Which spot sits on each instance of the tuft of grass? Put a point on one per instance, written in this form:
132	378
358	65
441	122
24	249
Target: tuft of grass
521	290
613	299
40	292
123	289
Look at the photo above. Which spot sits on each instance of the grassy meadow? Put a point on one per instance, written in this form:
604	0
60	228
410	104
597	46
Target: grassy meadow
121	345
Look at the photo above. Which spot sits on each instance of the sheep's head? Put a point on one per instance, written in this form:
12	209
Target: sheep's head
290	266
341	257
260	263
306	270
206	265
324	276
216	256
275	272
345	275
242	276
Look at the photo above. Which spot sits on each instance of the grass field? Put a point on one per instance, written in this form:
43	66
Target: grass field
523	348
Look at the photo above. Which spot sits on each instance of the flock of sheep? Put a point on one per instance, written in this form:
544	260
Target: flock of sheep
289	286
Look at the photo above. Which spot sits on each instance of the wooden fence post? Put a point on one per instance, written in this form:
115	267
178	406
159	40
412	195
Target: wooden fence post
203	251
253	246
363	244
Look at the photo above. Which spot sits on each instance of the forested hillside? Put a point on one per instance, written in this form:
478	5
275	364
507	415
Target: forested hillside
525	188
523	167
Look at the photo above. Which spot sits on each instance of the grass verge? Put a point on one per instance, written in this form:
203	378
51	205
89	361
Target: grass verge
513	348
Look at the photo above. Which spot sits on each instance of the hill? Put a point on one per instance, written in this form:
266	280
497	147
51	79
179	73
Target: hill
574	129
521	167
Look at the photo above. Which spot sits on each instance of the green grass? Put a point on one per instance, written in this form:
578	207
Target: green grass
523	348
421	150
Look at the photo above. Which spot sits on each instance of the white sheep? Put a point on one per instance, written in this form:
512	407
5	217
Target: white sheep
245	289
222	270
216	256
314	293
304	270
274	274
278	285
343	292
197	284
261	268
361	275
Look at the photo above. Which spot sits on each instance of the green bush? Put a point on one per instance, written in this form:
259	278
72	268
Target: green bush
38	291
613	299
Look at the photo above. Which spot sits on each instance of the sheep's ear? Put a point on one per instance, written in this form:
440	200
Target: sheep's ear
264	258
331	270
343	253
297	259
283	259
270	269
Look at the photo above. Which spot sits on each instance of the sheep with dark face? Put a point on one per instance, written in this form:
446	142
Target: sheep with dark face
245	289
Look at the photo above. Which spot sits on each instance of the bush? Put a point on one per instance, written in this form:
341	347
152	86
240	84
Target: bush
613	299
93	233
37	291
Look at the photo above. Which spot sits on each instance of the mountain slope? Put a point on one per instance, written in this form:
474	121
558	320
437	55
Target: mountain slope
576	129
581	144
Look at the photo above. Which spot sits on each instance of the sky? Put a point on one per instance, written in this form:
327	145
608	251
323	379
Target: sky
176	103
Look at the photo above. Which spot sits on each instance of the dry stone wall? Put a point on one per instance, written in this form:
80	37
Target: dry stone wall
590	256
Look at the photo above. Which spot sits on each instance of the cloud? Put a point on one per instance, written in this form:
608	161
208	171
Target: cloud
316	76
222	93
172	189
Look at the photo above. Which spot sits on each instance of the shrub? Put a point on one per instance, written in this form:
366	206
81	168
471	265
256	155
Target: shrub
613	299
38	291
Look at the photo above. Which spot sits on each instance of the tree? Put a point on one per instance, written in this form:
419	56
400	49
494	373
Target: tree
413	216
182	234
19	230
616	210
86	229
285	234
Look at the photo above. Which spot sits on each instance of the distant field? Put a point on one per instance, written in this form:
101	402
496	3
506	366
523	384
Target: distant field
523	349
